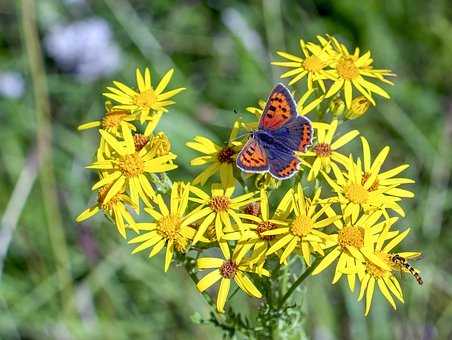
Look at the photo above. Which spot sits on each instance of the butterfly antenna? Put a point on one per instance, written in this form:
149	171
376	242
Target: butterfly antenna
240	136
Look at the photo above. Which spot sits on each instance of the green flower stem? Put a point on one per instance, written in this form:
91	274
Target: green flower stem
298	282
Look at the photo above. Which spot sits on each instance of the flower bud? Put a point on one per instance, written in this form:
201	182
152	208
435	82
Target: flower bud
359	107
160	144
336	107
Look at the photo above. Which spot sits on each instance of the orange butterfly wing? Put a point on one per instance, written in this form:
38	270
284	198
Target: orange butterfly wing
253	157
279	110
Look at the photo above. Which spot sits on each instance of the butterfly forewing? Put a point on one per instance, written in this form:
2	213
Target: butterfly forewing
279	110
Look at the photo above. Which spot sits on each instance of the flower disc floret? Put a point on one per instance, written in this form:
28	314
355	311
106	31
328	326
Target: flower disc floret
301	226
351	236
131	165
347	69
228	269
357	193
219	203
169	226
323	150
225	155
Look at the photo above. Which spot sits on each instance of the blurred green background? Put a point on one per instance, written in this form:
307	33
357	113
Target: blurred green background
221	51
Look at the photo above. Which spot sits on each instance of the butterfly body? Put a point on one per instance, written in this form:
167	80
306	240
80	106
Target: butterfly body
281	132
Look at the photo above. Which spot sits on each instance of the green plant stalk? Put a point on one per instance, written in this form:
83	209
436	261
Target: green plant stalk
44	145
299	281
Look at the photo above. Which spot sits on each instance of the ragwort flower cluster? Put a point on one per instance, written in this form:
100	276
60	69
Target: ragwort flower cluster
341	210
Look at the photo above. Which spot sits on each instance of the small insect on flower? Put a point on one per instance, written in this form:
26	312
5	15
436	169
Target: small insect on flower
280	133
402	262
370	273
148	100
230	268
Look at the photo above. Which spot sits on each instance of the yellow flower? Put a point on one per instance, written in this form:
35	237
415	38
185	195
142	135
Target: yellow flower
303	233
115	208
220	158
259	222
112	122
147	100
218	208
324	150
128	167
370	273
351	70
385	182
169	228
227	269
313	64
353	244
352	189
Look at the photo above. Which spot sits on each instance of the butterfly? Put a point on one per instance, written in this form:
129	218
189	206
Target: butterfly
281	131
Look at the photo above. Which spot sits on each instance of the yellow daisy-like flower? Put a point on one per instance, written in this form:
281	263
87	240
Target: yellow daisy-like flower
371	275
111	122
352	244
385	181
313	64
147	100
303	233
115	208
352	190
170	227
253	237
220	159
218	208
324	149
128	167
227	269
351	70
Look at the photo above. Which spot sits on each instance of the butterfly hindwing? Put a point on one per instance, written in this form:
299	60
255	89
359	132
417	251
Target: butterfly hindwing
253	157
283	163
279	110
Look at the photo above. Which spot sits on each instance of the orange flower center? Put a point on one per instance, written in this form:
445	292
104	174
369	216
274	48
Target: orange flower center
112	119
146	99
228	269
356	193
347	69
351	236
301	226
168	227
131	165
225	155
313	64
323	150
263	227
219	203
140	141
253	208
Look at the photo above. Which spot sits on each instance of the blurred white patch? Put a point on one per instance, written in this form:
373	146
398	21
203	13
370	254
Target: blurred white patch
12	84
252	41
84	47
